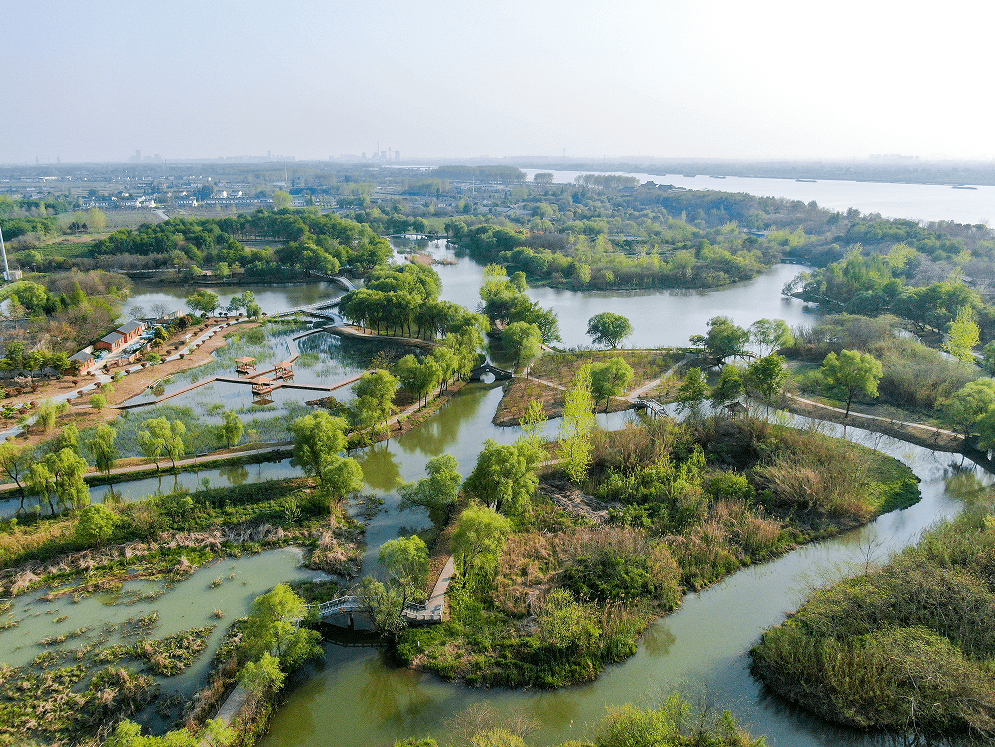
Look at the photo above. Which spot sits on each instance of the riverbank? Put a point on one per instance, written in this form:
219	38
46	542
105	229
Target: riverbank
920	434
663	510
905	647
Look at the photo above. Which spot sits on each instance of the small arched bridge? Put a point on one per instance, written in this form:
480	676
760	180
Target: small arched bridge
651	406
415	614
499	373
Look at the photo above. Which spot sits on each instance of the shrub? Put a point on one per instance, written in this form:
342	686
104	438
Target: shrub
96	524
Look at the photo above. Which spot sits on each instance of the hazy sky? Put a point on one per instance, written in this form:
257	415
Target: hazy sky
314	78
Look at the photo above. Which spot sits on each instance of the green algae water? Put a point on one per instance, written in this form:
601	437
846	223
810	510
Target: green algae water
227	585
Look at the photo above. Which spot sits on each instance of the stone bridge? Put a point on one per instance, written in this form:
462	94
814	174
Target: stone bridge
499	373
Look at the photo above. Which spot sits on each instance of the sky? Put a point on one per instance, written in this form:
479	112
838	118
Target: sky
94	81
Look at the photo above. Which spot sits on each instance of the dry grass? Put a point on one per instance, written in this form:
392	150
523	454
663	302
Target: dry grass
532	562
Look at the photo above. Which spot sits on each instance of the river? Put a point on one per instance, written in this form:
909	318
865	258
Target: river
353	698
922	202
364	701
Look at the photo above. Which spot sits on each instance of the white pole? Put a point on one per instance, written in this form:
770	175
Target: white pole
3	251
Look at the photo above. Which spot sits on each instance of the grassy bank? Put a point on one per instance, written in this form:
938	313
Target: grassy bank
560	370
166	534
664	509
908	646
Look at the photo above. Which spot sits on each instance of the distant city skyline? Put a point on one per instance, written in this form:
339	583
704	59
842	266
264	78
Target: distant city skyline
200	79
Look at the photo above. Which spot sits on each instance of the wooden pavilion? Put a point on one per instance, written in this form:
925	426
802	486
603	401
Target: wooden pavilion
245	366
263	387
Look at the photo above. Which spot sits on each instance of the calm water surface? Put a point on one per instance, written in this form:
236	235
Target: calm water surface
356	699
926	202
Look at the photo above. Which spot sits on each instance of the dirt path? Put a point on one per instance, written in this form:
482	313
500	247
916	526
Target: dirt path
916	433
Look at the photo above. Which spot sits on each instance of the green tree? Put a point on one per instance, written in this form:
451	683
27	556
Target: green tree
406	560
41	484
729	386
963	335
436	492
766	376
263	676
58	478
46	416
522	340
316	436
608	329
478	539
160	436
282	200
374	398
770	334
16	461
988	362
965	409
848	374
384	604
577	425
203	301
231	429
692	392
98	401
418	377
504	477
102	447
319	440
609	379
96	525
725	339
271	627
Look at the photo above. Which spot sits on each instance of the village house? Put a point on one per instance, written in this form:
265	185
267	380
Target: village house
122	336
83	360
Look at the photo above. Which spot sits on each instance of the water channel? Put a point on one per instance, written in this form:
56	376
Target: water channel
354	698
362	700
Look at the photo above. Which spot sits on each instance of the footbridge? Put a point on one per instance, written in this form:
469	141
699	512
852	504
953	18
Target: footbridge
415	614
432	612
340	281
651	406
500	374
316	309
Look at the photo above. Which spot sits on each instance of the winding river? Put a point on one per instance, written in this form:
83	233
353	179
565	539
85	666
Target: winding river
355	699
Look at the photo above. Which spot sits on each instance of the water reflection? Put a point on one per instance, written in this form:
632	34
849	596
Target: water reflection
657	640
235	474
393	695
380	471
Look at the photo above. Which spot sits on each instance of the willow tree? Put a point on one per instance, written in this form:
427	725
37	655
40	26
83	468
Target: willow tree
578	423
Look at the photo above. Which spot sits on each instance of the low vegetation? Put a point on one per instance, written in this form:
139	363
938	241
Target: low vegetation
907	646
561	582
675	723
560	369
914	377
